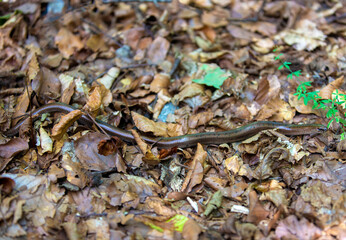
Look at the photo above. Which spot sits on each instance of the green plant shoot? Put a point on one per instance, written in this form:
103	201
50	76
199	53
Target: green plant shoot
331	105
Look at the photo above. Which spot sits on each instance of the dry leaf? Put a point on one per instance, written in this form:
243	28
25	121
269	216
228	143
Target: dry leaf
108	79
65	122
10	149
257	212
187	91
132	36
327	91
146	125
68	43
293	228
163	98
215	18
46	143
191	230
100	96
96	43
161	81
86	149
200	119
157	51
195	174
302	108
306	35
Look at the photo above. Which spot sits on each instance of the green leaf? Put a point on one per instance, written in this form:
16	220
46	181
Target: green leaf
322	106
339	102
343	121
342	135
306	99
307	84
153	226
330	123
331	112
213	77
179	221
286	64
316	105
4	18
297	73
278	56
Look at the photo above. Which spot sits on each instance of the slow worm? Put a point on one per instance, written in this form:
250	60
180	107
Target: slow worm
189	140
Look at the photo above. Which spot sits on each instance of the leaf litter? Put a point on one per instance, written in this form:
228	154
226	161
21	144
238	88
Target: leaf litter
197	66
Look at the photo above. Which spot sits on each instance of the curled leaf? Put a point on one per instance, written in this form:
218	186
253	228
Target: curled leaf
65	122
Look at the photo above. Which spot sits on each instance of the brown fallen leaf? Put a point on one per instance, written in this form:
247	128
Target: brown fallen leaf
149	157
301	107
200	119
65	122
11	149
132	36
187	91
268	89
191	230
216	18
163	98
96	43
160	81
235	190
276	110
195	175
88	154
146	125
327	91
100	96
67	42
110	146
157	51
306	35
292	228
176	196
257	212
167	152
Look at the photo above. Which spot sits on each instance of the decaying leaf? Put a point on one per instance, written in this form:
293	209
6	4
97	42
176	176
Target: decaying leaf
292	227
88	154
67	42
257	212
214	203
132	65
306	35
10	149
195	174
65	122
327	91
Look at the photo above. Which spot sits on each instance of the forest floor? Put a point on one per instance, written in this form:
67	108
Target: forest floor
166	70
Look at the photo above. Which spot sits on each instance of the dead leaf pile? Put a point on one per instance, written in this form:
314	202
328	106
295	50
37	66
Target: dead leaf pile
166	70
